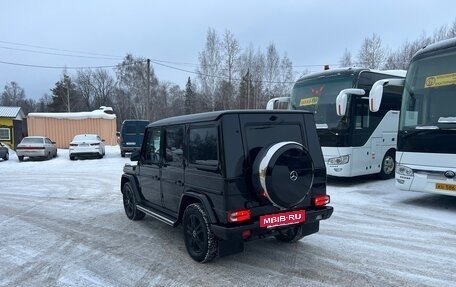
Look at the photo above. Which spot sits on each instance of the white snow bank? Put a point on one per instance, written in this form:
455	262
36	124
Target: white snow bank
97	114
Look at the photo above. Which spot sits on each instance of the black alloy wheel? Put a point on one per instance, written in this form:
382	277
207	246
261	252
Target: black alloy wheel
129	202
199	240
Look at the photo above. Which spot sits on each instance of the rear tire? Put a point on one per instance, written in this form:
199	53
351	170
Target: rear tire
129	202
200	241
20	157
388	166
6	157
122	154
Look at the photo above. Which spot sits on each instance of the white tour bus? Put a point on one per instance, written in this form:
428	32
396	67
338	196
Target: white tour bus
354	140
426	147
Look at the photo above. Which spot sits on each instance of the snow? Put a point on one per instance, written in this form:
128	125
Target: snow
96	114
62	224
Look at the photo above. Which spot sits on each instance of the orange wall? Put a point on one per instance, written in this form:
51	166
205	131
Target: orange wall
62	131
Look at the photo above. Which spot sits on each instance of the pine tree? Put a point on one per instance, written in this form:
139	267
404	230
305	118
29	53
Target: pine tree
189	97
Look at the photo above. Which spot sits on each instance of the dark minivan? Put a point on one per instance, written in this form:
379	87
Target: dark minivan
230	177
131	135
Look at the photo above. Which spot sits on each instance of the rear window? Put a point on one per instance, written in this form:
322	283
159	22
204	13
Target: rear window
32	140
135	127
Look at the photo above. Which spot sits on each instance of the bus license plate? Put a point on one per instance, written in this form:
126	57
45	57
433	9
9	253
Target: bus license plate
284	218
444	186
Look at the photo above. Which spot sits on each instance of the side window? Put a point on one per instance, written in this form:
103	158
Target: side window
174	139
48	141
202	148
152	147
362	115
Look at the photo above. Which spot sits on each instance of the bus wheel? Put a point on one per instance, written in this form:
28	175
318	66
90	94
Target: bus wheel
388	166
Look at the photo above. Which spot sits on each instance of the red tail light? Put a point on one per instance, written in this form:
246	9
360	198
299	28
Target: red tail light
320	200
238	216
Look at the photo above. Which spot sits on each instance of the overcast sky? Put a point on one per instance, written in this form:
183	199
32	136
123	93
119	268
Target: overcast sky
310	32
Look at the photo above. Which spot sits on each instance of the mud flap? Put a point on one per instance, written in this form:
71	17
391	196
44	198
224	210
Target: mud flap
229	247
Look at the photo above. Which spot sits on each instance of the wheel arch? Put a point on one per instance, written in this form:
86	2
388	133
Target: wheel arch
190	197
134	184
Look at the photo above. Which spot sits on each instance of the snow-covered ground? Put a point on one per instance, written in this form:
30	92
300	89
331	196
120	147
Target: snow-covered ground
62	224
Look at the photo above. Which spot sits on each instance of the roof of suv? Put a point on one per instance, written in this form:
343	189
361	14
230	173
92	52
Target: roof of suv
212	116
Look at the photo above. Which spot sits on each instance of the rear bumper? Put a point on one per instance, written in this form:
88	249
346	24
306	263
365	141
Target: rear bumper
231	233
130	148
31	153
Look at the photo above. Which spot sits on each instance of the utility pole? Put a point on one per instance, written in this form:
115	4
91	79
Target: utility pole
68	92
148	91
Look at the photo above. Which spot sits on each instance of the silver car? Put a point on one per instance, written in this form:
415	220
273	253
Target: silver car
4	152
34	147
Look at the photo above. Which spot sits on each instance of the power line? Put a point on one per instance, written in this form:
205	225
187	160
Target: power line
61	50
60	67
58	54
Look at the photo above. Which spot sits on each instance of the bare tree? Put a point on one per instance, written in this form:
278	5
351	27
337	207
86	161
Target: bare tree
209	66
371	54
132	77
346	60
272	71
12	95
103	88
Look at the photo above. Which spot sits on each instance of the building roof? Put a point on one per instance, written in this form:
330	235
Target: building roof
11	112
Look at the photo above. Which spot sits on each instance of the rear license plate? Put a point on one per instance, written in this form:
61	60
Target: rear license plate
444	186
284	218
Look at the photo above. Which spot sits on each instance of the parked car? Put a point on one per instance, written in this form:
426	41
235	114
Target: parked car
36	147
131	135
4	152
87	145
229	177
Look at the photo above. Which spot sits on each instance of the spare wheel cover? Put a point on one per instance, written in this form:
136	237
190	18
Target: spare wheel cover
286	173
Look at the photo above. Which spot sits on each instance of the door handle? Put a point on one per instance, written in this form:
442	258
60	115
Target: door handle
179	182
156	177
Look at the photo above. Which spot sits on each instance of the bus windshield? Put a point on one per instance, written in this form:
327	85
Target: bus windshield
319	96
429	98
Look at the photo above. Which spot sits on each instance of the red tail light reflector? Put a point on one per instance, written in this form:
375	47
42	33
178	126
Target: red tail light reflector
238	216
320	200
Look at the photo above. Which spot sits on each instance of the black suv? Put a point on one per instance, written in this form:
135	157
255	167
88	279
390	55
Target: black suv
230	177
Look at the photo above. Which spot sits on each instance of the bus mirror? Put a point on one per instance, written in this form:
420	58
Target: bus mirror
271	102
375	96
376	93
342	99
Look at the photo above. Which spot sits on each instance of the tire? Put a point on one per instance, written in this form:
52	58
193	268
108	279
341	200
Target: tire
20	157
49	156
6	157
72	157
388	166
283	166
122	153
129	202
291	234
201	243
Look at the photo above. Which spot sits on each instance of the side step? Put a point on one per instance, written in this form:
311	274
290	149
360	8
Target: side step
157	215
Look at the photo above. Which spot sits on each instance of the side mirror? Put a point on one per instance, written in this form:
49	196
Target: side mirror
342	99
103	140
135	156
118	134
53	142
376	93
